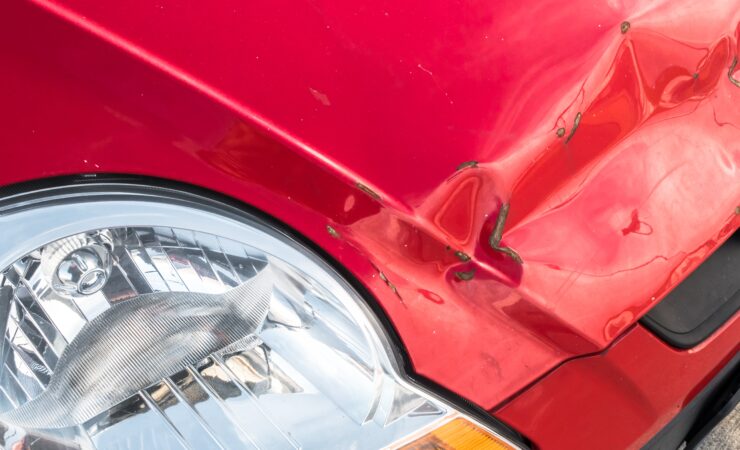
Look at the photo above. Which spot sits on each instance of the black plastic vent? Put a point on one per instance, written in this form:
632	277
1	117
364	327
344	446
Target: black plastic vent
702	302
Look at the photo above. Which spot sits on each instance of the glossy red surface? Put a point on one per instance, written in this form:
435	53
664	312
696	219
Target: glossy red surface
619	399
287	105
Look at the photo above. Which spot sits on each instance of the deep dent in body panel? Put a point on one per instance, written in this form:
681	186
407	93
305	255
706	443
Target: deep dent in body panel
568	205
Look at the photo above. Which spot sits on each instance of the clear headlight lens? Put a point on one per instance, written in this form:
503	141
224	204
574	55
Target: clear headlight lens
134	320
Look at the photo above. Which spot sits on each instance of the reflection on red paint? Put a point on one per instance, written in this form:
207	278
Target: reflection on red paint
455	214
431	296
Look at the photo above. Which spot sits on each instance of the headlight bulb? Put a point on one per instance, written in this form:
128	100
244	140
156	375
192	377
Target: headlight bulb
78	265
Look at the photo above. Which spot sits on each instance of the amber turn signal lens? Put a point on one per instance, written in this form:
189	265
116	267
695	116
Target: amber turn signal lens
458	434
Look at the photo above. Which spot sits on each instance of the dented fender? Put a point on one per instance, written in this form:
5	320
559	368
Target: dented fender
516	182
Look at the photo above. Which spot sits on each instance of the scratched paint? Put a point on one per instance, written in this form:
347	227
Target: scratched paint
494	240
466	275
731	72
333	232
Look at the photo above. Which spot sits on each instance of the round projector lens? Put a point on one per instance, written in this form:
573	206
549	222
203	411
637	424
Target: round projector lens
153	318
82	271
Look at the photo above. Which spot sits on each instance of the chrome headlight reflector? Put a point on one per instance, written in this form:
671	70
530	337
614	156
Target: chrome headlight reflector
149	318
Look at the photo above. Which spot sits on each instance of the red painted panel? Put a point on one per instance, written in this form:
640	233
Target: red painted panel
619	399
286	105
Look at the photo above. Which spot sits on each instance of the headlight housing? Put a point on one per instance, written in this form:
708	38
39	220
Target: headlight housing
138	317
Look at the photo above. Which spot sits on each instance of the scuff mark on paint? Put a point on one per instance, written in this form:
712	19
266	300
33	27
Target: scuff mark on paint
576	122
466	275
332	232
374	195
388	283
320	97
462	256
495	239
467	164
731	72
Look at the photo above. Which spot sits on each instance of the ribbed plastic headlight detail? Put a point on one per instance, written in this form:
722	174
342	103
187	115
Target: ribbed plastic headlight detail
149	319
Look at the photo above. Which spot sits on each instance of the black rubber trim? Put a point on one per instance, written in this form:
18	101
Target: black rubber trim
709	407
89	184
703	302
721	414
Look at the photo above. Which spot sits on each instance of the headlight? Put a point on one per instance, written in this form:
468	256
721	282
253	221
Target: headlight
148	318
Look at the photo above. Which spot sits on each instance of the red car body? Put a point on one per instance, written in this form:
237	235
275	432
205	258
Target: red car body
610	131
